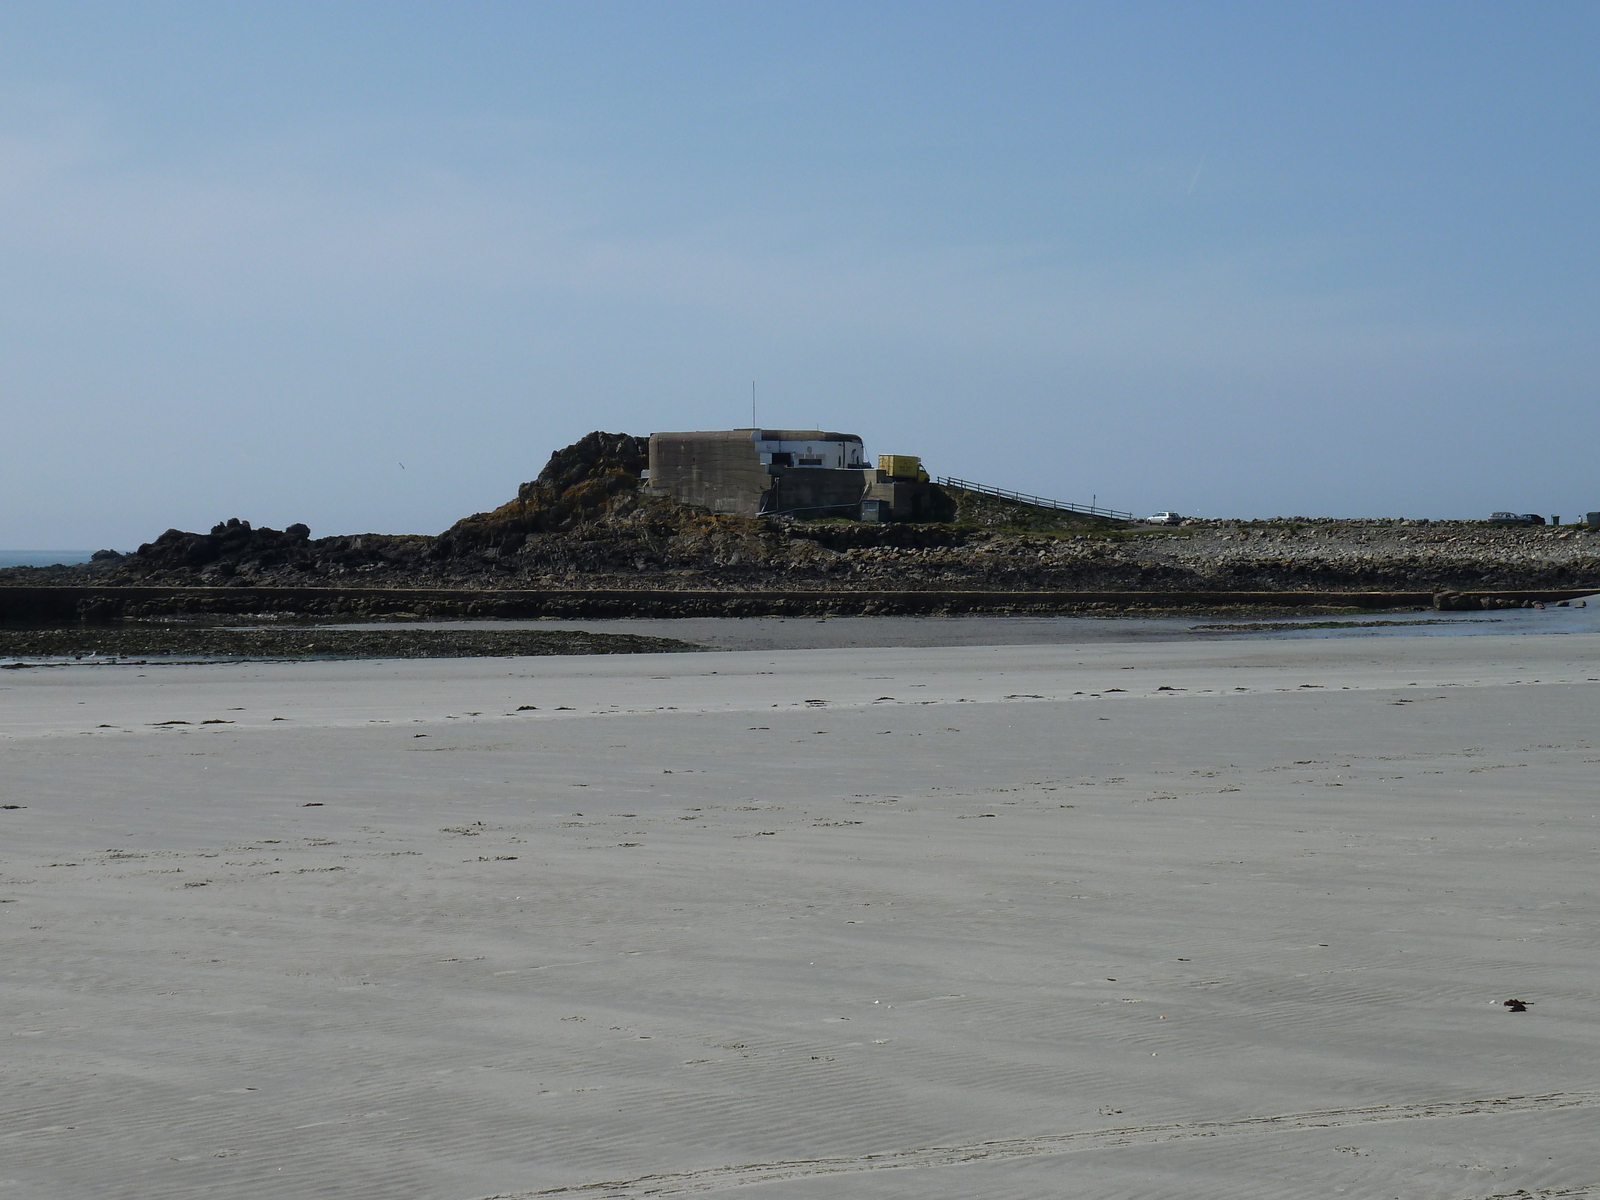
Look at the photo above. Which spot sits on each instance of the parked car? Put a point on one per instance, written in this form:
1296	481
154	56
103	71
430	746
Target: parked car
1511	518
1164	518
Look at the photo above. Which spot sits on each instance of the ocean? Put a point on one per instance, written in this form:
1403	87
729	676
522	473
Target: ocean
43	558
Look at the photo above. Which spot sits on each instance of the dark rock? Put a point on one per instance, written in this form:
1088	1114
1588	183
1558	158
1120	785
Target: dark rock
234	540
595	478
594	456
98	611
850	536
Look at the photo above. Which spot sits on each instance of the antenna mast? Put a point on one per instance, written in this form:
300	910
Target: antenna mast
753	405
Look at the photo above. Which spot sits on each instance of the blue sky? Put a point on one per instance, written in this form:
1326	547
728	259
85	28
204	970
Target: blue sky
1228	258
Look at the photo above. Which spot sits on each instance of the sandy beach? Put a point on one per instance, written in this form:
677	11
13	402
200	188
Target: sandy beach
1112	918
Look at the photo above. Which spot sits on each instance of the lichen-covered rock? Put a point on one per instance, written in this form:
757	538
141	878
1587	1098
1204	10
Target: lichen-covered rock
593	479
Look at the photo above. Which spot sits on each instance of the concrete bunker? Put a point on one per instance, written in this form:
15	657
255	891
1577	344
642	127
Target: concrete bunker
799	472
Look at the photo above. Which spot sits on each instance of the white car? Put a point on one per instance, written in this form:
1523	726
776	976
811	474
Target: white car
1164	518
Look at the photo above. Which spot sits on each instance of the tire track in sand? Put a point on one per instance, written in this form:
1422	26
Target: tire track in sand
714	1179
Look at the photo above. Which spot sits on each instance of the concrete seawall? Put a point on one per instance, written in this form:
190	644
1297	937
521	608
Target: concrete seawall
54	604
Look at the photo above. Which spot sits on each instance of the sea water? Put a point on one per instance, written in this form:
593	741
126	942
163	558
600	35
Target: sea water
43	558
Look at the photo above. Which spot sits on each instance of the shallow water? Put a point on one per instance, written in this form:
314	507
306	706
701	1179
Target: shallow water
44	558
836	633
814	633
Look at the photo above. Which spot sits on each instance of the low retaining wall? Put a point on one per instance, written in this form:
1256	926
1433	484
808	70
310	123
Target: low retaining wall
38	605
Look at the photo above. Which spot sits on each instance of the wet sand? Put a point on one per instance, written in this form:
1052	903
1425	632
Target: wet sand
168	640
822	633
1182	919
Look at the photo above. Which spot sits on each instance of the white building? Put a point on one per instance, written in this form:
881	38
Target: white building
809	448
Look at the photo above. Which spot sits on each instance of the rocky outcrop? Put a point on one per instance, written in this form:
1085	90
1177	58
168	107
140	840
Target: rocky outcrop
584	523
594	479
225	548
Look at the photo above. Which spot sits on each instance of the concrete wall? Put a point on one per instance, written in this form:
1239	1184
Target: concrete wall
717	469
724	471
910	500
809	489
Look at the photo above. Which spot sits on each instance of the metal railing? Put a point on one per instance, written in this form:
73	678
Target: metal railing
1037	501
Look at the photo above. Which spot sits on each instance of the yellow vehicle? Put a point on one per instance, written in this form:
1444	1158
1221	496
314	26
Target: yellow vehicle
902	466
